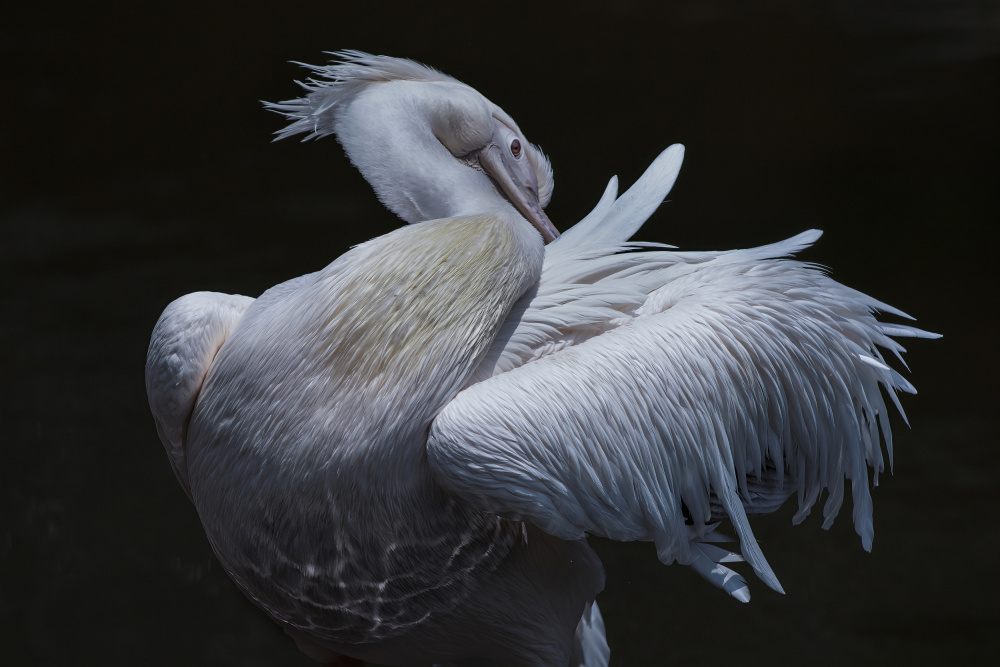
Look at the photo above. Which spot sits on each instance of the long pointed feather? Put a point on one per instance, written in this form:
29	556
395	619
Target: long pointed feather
617	223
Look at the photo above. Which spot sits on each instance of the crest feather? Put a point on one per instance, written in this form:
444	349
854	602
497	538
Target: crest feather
336	83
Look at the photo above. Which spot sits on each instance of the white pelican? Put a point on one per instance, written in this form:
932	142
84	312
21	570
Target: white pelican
399	457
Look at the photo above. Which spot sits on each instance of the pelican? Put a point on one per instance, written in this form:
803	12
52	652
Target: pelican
399	457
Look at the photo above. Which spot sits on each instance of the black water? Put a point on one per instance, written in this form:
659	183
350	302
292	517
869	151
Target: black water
136	167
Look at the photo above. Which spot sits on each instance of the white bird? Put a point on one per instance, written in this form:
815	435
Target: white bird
399	457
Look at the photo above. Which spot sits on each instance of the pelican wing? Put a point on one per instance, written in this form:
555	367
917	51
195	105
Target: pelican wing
645	395
185	341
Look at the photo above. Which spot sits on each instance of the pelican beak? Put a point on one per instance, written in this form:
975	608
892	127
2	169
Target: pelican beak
516	179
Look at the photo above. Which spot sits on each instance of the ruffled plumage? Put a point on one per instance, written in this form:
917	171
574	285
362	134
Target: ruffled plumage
642	393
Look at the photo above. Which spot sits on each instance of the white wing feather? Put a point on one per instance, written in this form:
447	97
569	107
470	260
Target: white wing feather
643	395
185	341
590	643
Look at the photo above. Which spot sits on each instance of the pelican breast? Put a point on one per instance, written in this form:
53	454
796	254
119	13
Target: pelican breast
306	447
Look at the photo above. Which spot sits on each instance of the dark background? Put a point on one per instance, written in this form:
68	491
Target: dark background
136	167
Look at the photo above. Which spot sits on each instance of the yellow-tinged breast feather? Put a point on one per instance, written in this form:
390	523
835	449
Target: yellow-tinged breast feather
408	299
386	334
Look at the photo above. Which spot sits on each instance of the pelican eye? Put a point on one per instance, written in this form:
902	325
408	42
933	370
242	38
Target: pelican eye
515	148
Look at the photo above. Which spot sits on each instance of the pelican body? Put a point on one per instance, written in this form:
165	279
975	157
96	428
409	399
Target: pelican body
399	457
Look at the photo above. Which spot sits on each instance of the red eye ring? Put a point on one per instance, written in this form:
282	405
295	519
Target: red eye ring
515	148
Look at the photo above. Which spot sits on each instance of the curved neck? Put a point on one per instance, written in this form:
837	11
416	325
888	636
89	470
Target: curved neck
388	131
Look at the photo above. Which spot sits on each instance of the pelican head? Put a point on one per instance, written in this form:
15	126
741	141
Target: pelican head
431	146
